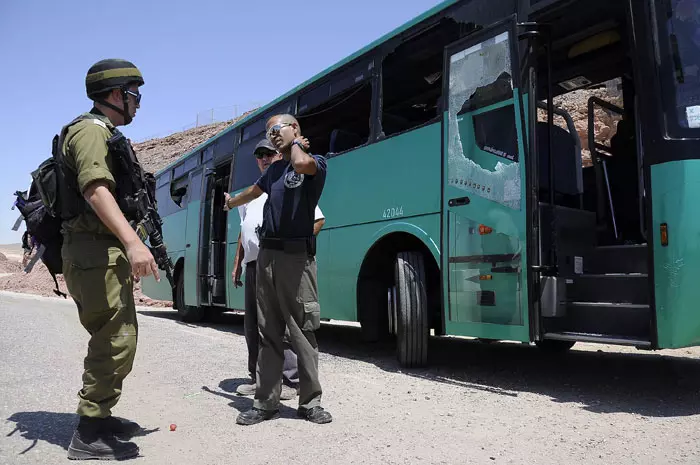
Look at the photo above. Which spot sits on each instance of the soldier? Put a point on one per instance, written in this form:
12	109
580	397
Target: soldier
246	255
102	256
287	291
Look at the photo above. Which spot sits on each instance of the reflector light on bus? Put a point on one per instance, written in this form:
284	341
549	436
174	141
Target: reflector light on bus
664	234
483	230
485	277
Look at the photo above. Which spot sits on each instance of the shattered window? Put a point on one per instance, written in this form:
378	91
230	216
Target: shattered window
480	78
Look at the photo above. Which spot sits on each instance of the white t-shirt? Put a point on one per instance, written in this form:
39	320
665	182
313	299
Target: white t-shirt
251	217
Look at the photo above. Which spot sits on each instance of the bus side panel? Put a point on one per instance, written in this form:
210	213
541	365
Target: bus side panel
160	290
235	298
173	227
340	259
675	194
192	228
396	177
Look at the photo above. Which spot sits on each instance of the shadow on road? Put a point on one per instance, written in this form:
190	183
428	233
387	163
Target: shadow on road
643	383
54	428
228	391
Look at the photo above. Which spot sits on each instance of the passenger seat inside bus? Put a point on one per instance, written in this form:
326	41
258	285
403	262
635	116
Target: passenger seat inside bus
568	168
342	140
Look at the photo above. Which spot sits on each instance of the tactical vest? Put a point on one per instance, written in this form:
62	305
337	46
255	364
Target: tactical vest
124	167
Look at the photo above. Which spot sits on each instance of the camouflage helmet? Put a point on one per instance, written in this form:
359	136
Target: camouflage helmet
111	74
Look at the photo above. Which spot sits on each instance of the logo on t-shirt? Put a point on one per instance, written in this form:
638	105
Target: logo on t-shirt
292	180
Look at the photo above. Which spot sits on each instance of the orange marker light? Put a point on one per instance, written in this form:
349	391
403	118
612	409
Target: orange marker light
664	234
485	277
483	230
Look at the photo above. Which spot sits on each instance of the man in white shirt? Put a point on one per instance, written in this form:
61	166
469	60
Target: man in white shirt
246	255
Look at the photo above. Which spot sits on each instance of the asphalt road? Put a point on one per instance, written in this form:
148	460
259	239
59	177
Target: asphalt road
478	403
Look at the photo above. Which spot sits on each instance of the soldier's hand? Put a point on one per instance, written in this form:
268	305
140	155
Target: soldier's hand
226	199
142	261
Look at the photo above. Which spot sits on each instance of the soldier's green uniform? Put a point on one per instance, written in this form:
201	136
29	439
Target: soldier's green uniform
96	268
98	274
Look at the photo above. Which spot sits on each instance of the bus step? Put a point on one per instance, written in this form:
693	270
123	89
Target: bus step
617	259
609	318
616	288
599	339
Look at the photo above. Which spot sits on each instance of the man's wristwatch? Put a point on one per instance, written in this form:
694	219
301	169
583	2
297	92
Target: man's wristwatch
297	142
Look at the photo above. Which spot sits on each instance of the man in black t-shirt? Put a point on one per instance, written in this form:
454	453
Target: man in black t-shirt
287	290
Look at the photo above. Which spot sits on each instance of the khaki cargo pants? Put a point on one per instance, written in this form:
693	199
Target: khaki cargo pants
287	295
98	277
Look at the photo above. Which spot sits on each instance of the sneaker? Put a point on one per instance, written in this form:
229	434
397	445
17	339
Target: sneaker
121	427
287	393
246	389
92	440
255	416
315	415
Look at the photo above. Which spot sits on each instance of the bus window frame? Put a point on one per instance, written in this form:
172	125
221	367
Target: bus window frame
367	62
666	86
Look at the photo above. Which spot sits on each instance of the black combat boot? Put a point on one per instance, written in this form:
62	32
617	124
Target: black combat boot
255	416
121	427
92	440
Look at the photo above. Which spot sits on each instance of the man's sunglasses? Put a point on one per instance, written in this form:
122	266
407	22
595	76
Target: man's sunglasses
260	154
136	95
276	129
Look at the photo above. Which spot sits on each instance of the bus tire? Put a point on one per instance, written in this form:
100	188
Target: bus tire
187	313
412	310
553	346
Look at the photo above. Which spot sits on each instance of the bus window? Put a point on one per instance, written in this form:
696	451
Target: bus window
178	191
679	26
179	170
340	122
208	154
191	163
245	169
412	78
224	145
163	179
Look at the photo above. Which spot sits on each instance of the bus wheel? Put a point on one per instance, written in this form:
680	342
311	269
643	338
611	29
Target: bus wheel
187	313
372	312
554	346
412	310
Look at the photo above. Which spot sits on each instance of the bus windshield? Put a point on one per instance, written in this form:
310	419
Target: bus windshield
679	23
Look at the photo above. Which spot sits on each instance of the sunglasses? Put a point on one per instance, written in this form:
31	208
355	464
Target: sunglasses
264	154
136	95
276	129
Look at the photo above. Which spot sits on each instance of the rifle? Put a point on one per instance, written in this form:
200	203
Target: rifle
139	202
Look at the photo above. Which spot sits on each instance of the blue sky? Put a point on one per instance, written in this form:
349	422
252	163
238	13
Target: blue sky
194	55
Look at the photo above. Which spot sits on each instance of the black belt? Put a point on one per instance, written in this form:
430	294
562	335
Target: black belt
292	245
84	236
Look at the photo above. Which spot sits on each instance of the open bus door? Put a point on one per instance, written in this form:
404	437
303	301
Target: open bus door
213	259
484	257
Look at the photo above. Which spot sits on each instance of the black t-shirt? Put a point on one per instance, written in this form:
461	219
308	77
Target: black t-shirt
291	199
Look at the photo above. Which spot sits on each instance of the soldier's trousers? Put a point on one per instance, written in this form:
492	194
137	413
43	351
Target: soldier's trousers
98	277
287	294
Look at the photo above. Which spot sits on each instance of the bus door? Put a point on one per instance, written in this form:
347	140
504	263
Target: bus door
484	207
213	256
192	237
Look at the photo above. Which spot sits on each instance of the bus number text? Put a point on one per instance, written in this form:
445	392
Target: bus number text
393	212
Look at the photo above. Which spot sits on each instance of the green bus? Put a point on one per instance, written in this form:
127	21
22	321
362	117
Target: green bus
457	201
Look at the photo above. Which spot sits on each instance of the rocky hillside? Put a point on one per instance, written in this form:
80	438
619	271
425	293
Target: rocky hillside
155	154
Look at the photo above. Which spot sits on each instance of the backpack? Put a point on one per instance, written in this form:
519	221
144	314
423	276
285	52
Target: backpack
40	208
